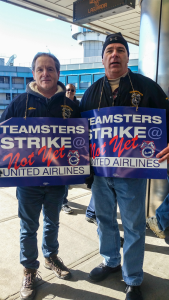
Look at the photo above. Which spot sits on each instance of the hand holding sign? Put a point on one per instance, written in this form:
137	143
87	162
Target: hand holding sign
164	154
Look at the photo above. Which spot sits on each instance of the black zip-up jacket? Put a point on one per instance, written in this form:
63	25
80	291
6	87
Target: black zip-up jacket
76	101
152	94
33	104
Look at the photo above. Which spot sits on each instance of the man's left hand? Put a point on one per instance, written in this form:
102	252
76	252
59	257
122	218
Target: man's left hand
163	155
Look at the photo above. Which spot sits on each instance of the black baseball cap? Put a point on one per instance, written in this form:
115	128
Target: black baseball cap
115	38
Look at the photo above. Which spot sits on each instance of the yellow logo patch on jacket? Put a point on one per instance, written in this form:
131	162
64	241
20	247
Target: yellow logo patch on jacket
66	111
30	108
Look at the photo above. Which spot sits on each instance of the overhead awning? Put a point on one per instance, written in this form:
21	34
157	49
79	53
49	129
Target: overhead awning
128	22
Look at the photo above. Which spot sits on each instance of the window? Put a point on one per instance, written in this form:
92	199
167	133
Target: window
85	81
18	80
8	96
4	79
73	79
86	30
62	79
14	95
97	76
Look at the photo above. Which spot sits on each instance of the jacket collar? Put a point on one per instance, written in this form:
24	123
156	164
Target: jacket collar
31	88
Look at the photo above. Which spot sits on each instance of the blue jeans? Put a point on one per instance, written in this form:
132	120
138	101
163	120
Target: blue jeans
90	211
162	213
65	201
129	194
31	201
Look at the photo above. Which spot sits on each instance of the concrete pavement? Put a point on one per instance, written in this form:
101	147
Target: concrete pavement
79	251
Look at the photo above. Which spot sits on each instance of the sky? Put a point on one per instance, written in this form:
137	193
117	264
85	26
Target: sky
24	33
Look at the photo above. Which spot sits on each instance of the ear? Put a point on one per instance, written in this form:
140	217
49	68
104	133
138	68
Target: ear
33	75
102	62
58	74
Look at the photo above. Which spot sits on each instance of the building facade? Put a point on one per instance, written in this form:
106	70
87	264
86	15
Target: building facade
13	80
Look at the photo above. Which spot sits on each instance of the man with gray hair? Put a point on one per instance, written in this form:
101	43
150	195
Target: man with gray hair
44	97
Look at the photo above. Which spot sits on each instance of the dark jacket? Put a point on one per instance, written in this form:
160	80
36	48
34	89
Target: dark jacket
33	104
76	101
153	95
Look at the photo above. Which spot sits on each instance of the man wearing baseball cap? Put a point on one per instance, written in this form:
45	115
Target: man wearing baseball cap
121	87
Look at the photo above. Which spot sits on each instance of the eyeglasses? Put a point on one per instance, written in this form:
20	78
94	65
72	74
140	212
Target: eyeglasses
68	90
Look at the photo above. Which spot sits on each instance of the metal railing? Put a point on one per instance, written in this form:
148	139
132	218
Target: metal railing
71	61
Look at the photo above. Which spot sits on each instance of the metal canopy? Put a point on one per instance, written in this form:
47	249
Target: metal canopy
86	11
128	23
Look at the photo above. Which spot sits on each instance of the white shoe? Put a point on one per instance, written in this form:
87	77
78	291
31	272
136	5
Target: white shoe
153	225
67	209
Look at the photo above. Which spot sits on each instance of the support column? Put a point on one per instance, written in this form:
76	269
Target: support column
154	63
